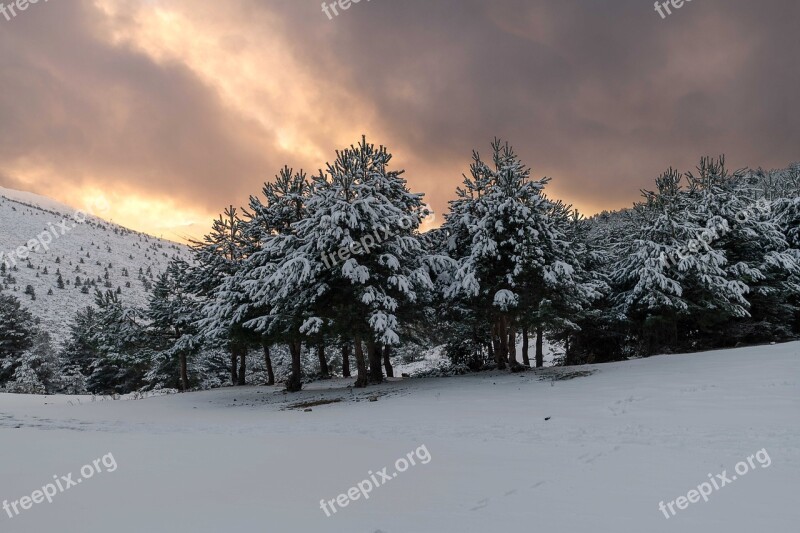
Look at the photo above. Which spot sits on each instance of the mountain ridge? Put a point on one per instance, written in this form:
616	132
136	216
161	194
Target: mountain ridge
43	240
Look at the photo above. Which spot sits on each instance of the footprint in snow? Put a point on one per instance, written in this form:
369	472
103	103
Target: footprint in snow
481	504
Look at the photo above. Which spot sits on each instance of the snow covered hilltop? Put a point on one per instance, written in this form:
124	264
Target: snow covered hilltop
332	276
60	276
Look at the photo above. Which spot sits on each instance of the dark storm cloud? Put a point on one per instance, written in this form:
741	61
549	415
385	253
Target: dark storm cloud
601	95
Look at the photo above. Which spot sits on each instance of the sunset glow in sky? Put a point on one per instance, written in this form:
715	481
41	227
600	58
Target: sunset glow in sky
170	110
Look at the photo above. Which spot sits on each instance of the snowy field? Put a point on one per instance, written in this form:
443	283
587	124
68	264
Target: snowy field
620	439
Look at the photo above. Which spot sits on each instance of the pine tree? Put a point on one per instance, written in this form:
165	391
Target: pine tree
81	349
17	331
172	334
39	370
757	246
218	258
602	330
25	379
561	302
513	259
119	341
350	265
272	224
671	275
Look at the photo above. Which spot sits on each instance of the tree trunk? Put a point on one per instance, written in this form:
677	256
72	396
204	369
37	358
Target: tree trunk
242	363
387	362
184	372
361	365
502	352
268	361
498	360
323	363
346	360
234	358
512	347
375	366
539	353
295	381
525	358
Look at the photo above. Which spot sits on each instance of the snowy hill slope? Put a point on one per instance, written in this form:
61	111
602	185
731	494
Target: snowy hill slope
87	251
562	450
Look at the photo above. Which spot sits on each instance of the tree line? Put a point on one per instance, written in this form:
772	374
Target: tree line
707	259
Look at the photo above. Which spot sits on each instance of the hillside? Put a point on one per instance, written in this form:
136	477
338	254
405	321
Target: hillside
592	448
89	255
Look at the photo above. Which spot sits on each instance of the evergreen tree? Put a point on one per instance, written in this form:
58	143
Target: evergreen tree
122	362
272	226
349	266
172	333
81	349
513	259
17	331
217	260
38	370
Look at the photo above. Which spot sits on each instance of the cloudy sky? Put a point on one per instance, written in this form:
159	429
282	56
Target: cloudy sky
170	110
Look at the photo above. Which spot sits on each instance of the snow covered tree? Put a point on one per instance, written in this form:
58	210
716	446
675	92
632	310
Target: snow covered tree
237	303
757	244
351	265
39	371
25	380
515	266
284	203
671	275
172	332
81	349
71	380
218	258
17	331
602	330
565	303
118	337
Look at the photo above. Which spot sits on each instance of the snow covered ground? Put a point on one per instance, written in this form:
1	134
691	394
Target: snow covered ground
436	359
620	438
